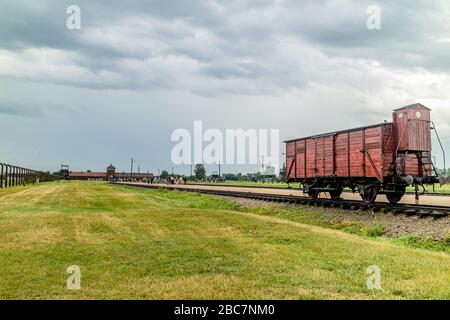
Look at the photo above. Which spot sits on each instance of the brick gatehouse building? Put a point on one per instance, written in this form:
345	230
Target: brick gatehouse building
110	174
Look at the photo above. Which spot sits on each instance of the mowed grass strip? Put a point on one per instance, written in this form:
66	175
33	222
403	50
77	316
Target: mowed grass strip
156	244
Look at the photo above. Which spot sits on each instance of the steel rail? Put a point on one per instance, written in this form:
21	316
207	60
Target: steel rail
434	194
411	210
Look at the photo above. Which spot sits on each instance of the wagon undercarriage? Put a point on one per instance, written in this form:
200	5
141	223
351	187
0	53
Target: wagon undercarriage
368	189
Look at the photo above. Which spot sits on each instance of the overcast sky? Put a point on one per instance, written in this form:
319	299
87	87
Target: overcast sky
137	70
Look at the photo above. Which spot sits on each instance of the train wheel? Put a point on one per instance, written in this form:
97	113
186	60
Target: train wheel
368	193
394	197
336	195
313	194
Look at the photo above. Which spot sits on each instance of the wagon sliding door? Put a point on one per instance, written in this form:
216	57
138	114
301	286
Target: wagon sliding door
373	151
342	154
320	157
356	154
366	153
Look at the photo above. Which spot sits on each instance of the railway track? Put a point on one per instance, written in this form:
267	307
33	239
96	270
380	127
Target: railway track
433	194
422	211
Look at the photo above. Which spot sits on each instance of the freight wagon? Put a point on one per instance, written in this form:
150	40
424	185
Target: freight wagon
379	159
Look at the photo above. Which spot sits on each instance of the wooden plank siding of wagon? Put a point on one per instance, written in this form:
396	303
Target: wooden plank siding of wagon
320	161
310	158
300	159
342	154
329	156
354	153
413	128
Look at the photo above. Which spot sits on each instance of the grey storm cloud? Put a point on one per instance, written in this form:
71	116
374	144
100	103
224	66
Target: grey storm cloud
151	66
142	45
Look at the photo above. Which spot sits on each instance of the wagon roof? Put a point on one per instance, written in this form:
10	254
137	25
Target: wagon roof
412	106
337	132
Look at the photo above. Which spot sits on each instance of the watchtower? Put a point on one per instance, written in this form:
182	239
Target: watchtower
64	172
110	172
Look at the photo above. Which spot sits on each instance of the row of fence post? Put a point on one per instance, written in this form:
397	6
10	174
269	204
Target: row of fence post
11	176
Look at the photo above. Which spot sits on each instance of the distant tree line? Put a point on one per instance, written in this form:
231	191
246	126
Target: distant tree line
200	174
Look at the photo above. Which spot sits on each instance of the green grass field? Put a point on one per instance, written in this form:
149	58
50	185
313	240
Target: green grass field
437	188
157	244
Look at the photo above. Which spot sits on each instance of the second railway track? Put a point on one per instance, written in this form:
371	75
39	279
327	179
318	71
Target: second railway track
431	194
435	212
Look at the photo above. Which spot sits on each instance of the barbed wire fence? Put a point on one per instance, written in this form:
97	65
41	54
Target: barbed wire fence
12	176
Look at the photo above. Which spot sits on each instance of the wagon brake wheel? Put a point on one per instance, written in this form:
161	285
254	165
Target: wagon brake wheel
368	193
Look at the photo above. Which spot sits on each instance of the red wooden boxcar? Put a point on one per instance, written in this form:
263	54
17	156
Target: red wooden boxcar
382	158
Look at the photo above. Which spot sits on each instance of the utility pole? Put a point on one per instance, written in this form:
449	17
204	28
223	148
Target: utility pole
191	169
132	162
139	169
262	164
219	169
